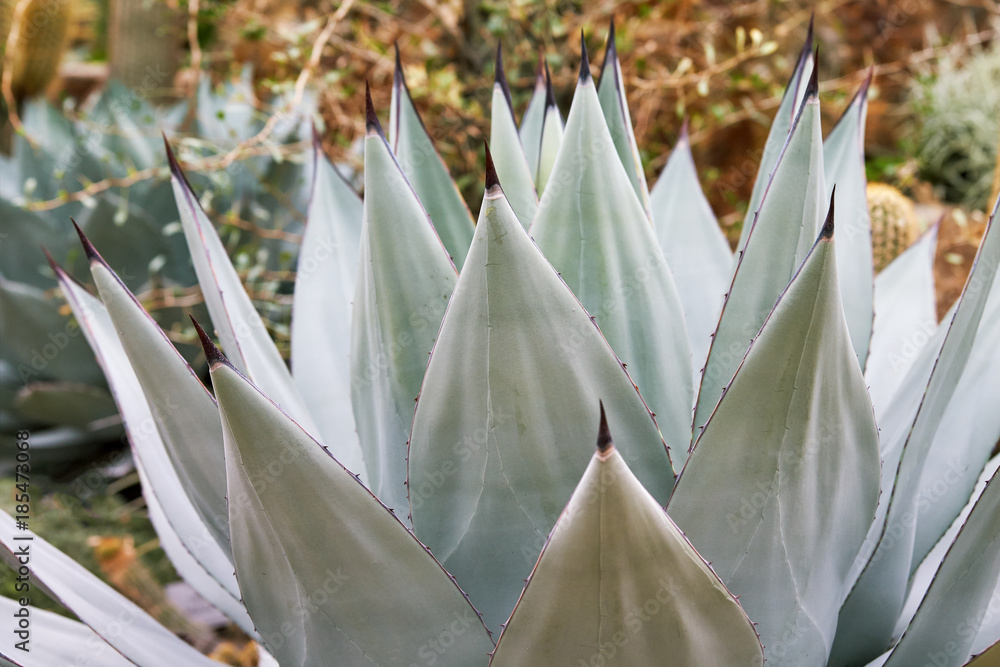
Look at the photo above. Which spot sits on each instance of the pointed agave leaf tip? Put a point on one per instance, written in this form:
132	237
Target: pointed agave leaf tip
610	54
812	90
685	130
88	247
492	180
550	95
371	119
604	442
52	262
827	231
212	353
500	77
317	141
175	167
584	60
540	70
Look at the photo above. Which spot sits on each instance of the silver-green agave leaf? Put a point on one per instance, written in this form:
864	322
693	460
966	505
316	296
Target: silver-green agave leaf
432	449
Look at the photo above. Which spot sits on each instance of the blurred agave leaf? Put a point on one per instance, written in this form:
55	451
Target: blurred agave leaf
148	449
551	139
71	404
22	233
844	168
611	91
657	603
793	436
184	412
56	640
404	282
781	236
237	323
694	246
144	642
372	573
511	164
321	309
880	590
481	448
530	131
961	591
426	171
781	128
592	228
905	319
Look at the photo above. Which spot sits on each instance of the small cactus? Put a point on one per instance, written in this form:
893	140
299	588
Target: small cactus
894	223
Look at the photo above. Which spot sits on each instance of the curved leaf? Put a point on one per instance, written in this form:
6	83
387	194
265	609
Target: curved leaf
844	168
905	319
404	281
781	128
960	596
427	172
329	574
130	630
781	235
184	413
509	157
791	459
144	437
617	581
594	231
880	591
511	391
611	92
55	640
237	323
321	309
694	246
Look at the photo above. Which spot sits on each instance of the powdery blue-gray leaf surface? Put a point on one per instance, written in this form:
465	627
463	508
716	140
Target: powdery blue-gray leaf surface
592	228
553	129
694	246
530	130
237	323
781	234
404	281
779	491
611	91
321	310
905	319
509	400
618	583
426	171
116	619
329	575
511	164
880	590
844	168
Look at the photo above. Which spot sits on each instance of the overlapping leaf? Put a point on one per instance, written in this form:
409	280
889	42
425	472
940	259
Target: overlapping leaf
694	246
780	489
530	130
329	575
592	228
321	310
426	171
404	281
552	134
511	164
511	392
618	582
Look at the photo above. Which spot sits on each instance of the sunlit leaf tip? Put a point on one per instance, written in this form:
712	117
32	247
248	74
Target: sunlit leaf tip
812	89
371	118
827	231
88	247
584	60
604	442
212	352
610	57
397	76
175	166
500	79
492	180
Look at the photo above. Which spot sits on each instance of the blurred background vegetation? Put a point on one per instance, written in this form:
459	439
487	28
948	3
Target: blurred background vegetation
223	76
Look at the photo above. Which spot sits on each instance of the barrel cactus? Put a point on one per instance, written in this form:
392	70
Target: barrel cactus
501	501
894	223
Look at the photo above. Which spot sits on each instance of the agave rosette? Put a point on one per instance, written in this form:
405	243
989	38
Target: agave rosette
376	505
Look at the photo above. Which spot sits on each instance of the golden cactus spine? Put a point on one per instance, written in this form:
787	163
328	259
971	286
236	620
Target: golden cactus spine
894	223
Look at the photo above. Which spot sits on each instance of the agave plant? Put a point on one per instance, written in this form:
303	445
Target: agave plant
799	518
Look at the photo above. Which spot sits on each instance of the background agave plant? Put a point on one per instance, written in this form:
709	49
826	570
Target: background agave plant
362	530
